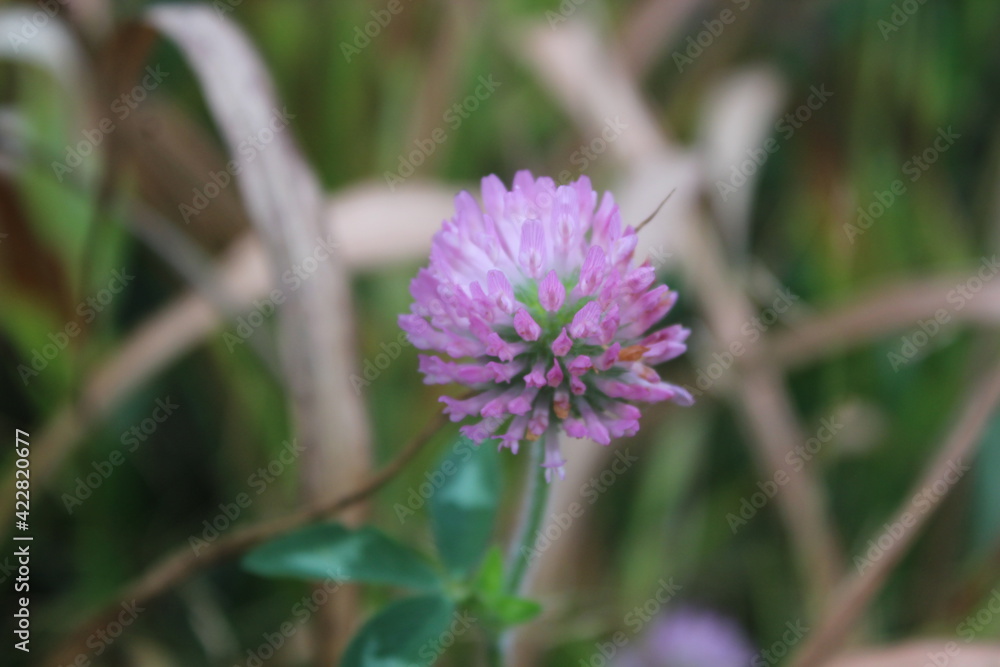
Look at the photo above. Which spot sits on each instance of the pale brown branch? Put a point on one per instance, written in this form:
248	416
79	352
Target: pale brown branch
183	563
910	654
650	28
769	416
885	311
774	428
584	75
857	590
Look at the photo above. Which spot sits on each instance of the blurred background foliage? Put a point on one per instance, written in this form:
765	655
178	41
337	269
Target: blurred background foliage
665	517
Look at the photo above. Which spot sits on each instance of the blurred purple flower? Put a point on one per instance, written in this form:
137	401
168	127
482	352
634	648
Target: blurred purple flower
691	638
539	293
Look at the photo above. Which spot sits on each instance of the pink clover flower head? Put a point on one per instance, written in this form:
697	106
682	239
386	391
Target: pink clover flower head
534	300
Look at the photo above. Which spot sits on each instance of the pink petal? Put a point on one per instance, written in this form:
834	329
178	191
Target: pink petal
562	344
525	326
551	292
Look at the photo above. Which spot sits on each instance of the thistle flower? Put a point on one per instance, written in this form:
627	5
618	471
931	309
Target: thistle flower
538	305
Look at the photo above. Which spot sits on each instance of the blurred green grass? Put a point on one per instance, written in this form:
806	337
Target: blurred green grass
354	119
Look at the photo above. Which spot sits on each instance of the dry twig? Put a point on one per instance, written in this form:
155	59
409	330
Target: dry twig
857	590
183	563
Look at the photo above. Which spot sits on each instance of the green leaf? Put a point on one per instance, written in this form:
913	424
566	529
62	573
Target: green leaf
406	633
464	504
490	580
331	551
488	589
511	610
985	528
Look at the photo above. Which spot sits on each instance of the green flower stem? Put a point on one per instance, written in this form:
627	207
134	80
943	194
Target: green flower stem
519	559
537	497
494	656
